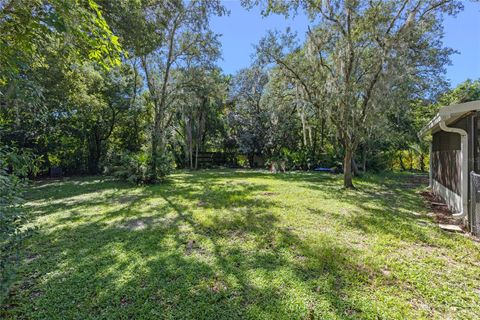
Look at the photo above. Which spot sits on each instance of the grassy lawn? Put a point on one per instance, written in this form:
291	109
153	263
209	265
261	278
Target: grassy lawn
241	244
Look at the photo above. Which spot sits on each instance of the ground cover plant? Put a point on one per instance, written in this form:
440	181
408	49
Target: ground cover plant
241	244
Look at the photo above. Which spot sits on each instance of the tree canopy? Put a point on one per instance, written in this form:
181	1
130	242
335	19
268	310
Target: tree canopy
133	87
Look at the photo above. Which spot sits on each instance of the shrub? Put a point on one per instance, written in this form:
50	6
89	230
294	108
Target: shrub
165	166
15	167
287	159
242	160
137	167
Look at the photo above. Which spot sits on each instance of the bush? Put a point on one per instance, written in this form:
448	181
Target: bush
137	167
242	160
287	159
409	159
165	166
15	167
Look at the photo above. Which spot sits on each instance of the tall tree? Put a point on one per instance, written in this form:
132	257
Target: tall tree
371	53
175	31
250	117
202	98
302	81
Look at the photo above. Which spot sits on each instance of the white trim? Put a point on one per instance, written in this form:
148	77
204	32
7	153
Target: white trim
453	200
449	114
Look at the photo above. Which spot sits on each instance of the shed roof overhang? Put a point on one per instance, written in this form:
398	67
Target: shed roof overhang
449	114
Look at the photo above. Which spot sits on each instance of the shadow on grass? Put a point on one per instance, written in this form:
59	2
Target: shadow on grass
382	204
236	263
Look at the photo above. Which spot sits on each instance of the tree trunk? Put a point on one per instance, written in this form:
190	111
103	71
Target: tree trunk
200	131
304	129
422	160
354	167
190	148
410	155
94	154
196	156
400	159
93	158
310	136
189	142
46	160
364	159
347	169
159	101
322	135
155	146
314	144
136	139
250	159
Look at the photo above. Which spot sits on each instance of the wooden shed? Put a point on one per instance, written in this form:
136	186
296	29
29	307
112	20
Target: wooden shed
454	159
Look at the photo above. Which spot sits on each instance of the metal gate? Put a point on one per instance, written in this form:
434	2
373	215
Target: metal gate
474	214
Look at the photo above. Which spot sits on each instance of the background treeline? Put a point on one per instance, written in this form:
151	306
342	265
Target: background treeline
142	93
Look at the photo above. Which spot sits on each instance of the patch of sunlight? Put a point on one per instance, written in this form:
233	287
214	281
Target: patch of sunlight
71	201
292	245
72	182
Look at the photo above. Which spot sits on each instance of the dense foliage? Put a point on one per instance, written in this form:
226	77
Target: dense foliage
15	166
138	102
43	46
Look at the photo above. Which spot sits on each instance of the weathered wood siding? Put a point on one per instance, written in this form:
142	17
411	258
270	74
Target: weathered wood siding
446	166
446	157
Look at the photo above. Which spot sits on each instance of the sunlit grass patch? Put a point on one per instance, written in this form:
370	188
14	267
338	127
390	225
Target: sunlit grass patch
241	244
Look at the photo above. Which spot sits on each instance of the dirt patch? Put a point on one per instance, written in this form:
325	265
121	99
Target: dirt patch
191	245
418	179
36	294
268	194
419	304
138	224
387	273
126	199
31	257
237	234
202	203
439	210
124	301
413	181
219	286
300	257
477	291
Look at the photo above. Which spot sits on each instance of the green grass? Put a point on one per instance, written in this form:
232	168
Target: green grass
241	244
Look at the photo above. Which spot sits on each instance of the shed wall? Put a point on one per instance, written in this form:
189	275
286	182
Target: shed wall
447	157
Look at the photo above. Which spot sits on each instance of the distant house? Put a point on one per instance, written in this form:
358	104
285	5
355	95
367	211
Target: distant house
455	158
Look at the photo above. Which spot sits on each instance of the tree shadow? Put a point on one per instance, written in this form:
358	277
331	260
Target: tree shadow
386	204
203	248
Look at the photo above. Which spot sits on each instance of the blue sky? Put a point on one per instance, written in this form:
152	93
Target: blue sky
242	29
